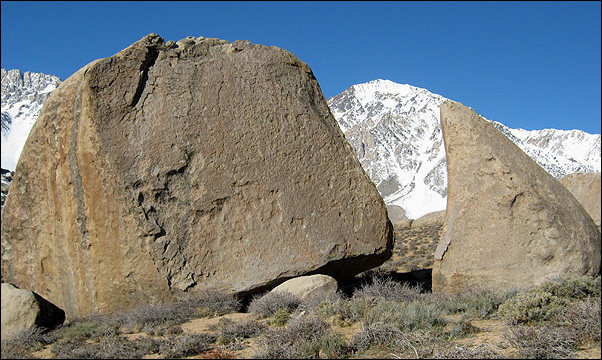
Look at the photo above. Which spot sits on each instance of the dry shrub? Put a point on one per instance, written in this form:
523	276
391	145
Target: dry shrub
418	344
388	289
94	327
583	318
417	315
23	343
302	337
542	342
186	345
151	318
331	306
478	302
313	303
268	304
216	354
160	319
332	346
210	303
233	333
482	351
532	307
549	300
377	334
581	287
405	315
109	347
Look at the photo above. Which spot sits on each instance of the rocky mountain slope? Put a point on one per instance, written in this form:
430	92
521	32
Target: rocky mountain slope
22	97
396	134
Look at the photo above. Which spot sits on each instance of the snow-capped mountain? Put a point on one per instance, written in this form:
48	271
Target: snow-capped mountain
396	134
22	97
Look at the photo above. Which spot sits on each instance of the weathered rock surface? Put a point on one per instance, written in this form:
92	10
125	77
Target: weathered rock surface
22	309
305	287
508	224
173	167
585	187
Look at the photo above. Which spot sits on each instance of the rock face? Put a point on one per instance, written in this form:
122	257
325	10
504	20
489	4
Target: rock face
22	309
309	286
585	187
185	166
508	223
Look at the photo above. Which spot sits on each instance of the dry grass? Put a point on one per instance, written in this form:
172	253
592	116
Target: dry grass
23	343
381	319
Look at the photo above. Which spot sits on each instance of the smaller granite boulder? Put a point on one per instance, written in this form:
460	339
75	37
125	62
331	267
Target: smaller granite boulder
585	187
398	217
22	309
431	219
306	287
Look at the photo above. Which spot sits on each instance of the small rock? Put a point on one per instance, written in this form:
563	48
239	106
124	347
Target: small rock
22	309
398	217
309	286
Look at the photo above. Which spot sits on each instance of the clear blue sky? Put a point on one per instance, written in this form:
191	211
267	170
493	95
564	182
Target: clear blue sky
531	65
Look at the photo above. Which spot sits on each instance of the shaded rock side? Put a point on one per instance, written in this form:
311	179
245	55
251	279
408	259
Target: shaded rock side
306	287
185	166
415	244
585	187
508	224
22	309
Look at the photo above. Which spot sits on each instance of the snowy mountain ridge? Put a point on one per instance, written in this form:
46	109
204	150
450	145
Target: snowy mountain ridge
395	132
22	97
393	128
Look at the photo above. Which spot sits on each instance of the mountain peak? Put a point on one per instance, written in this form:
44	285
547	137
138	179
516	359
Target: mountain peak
396	134
23	94
384	87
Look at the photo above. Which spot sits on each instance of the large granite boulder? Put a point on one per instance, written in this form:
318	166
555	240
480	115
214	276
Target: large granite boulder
23	309
508	224
173	167
585	187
